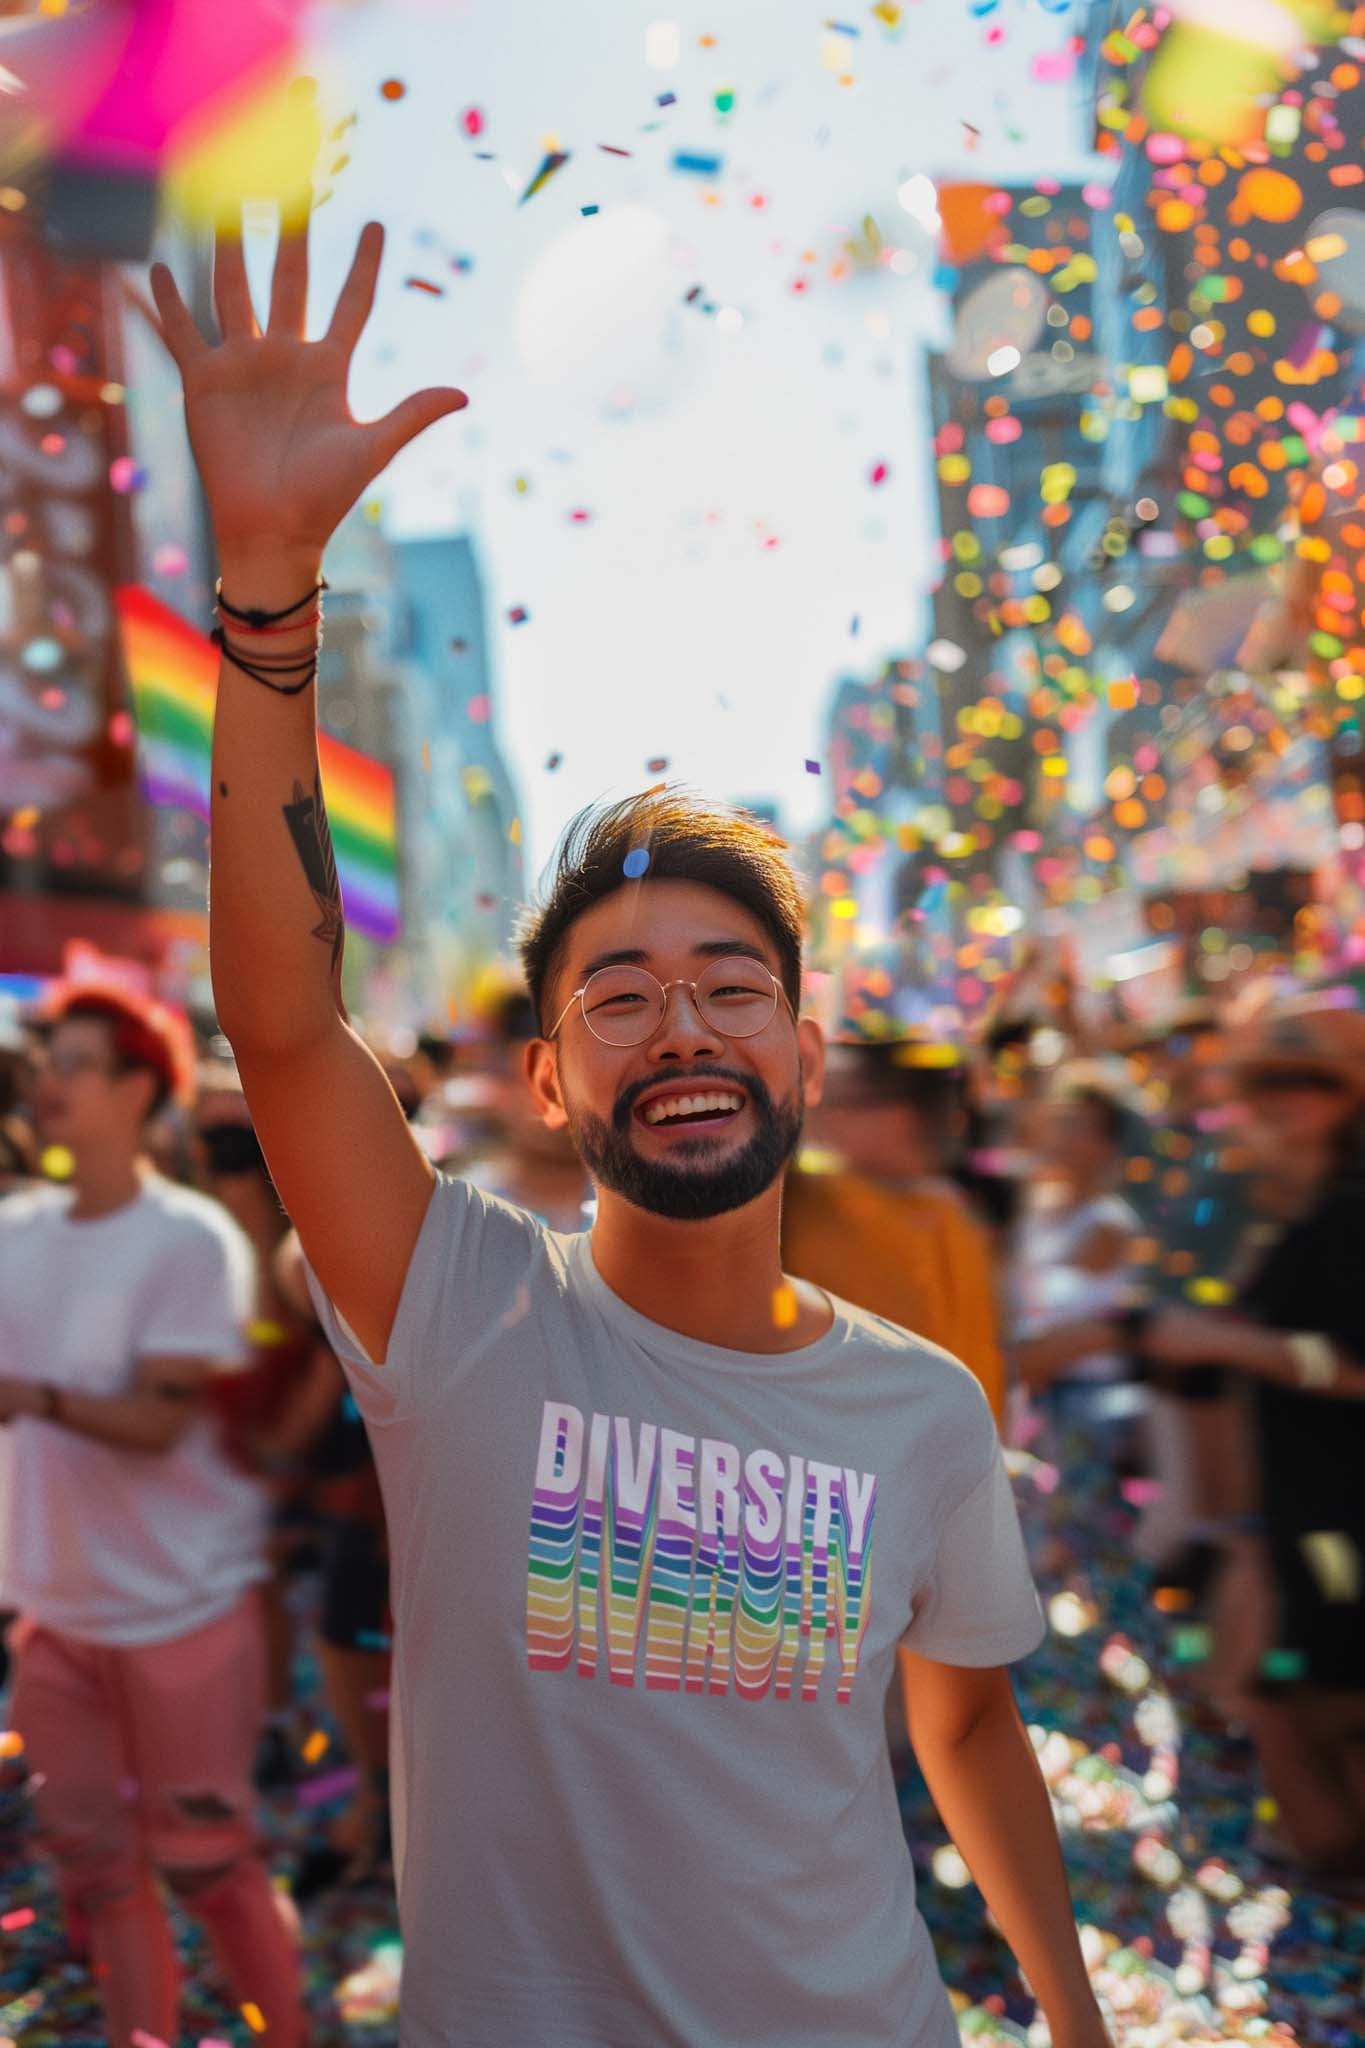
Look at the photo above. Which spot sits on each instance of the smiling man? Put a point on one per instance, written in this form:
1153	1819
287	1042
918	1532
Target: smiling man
661	1519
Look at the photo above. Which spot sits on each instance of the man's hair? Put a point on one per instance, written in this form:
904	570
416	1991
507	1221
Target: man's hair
143	1036
686	839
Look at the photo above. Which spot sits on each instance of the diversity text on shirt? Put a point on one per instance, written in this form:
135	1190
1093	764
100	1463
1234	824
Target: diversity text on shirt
728	1563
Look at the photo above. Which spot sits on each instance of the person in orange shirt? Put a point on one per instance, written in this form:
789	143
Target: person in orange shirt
870	1215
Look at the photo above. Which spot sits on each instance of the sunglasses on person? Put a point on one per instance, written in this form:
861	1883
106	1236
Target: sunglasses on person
231	1148
735	997
1290	1080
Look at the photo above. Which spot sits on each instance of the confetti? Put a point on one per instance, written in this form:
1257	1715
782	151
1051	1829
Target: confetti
553	161
635	862
786	1308
697	163
518	615
392	89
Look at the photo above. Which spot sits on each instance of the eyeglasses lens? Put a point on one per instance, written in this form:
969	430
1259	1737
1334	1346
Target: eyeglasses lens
735	998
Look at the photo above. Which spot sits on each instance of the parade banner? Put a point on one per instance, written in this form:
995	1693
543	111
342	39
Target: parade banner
173	671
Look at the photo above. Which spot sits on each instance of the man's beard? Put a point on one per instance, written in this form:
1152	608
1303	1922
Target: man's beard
692	1193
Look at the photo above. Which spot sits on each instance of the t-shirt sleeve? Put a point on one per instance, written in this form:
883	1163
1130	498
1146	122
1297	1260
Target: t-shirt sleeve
470	1268
980	1605
202	1297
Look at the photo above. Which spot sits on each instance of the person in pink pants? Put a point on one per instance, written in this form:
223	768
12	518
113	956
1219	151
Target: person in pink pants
132	1548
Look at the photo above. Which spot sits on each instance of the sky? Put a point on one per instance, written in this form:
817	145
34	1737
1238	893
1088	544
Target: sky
735	552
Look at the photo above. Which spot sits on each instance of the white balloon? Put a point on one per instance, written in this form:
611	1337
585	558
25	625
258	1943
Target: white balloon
602	319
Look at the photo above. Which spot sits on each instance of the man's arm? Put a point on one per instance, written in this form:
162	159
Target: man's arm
282	461
151	1416
980	1768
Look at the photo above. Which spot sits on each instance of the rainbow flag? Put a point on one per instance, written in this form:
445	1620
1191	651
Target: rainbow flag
174	675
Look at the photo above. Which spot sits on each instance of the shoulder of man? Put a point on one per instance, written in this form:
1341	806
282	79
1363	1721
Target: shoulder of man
187	1215
31	1203
940	1367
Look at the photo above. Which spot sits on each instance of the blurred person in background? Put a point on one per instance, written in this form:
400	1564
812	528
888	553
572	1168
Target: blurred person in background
346	1511
528	1163
133	1549
18	1141
1290	1605
273	1411
355	1623
870	1214
1071	1270
1196	1209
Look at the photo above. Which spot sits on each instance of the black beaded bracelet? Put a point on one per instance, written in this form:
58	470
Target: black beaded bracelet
305	670
256	617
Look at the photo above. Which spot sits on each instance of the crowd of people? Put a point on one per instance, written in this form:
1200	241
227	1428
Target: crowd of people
647	1258
1143	1249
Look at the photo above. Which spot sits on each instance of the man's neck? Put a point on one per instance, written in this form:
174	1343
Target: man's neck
550	1187
719	1281
105	1181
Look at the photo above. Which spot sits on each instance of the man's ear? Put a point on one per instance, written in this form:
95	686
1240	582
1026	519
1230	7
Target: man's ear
541	1065
811	1040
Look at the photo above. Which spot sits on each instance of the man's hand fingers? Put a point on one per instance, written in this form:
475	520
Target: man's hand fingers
357	294
178	330
231	292
289	290
410	419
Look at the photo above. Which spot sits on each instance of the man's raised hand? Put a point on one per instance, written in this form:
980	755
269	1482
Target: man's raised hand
279	455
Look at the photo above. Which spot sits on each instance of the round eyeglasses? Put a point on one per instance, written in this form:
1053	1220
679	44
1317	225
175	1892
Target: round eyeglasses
735	997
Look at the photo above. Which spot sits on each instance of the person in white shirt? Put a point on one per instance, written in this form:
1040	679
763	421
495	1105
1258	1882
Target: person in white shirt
1071	1271
131	1547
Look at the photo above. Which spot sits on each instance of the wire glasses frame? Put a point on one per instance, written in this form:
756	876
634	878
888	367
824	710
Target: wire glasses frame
629	1003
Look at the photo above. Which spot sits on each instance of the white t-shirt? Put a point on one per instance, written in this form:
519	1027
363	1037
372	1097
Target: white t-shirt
1051	1290
642	1793
112	1545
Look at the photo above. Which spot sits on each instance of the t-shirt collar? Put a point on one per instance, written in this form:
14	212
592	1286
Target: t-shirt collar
663	1342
